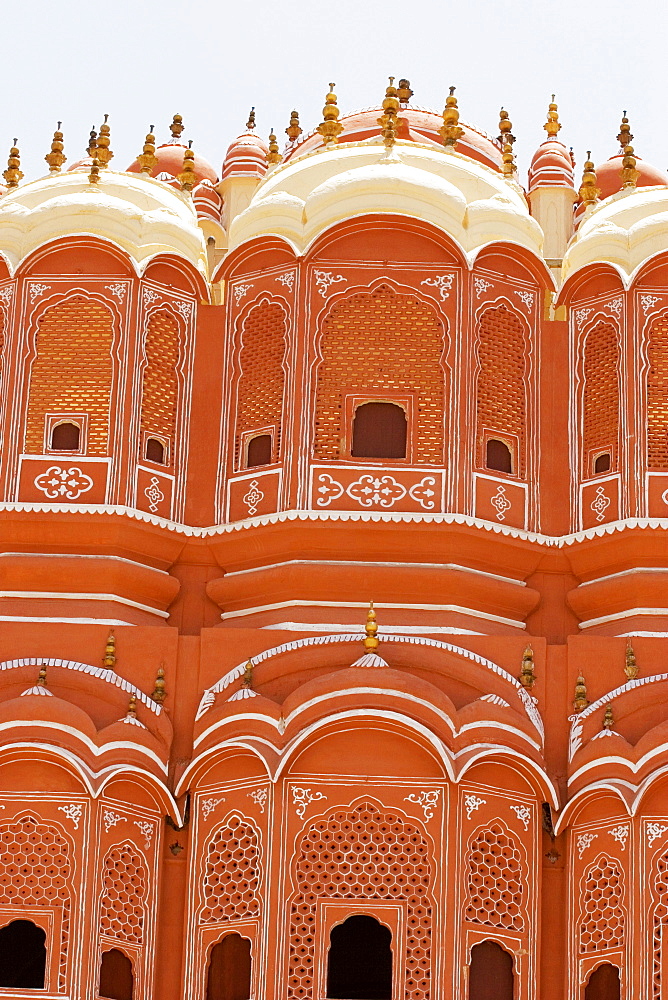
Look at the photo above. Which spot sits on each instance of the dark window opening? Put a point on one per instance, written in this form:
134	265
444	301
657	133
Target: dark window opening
499	456
66	437
602	463
116	979
359	965
22	956
379	431
229	972
259	451
603	984
155	451
491	972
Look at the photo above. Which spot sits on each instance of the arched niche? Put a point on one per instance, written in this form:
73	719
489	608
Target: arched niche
136	792
234	764
359	960
229	969
22	956
35	774
78	255
367	237
176	274
116	976
508	260
603	983
491	975
256	255
502	775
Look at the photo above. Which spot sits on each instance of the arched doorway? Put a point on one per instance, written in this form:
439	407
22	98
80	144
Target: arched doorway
116	978
359	965
603	984
22	956
491	972
229	971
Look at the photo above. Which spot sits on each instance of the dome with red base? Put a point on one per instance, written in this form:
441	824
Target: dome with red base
609	175
170	161
246	156
551	166
414	124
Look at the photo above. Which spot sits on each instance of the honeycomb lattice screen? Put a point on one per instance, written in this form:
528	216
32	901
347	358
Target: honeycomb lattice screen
659	889
601	393
72	371
502	379
657	396
160	388
375	343
231	878
602	914
262	376
362	854
124	888
496	880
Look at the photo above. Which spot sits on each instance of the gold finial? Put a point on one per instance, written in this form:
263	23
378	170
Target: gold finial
109	660
94	175
41	679
371	640
629	173
248	674
250	124
294	129
527	675
159	691
177	127
187	178
388	120
56	157
451	131
92	143
552	125
404	92
589	190
132	708
330	128
580	700
147	159
630	666
13	174
608	718
506	138
104	153
273	156
625	138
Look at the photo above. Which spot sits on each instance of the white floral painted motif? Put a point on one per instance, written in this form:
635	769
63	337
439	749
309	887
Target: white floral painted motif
184	307
423	493
648	302
523	814
428	801
621	834
324	279
526	298
481	286
259	797
73	812
149	296
500	502
329	490
154	494
600	503
615	306
302	797
471	803
118	289
581	316
6	295
35	290
442	282
584	841
654	831
59	483
382	491
240	291
208	805
287	279
253	498
111	819
146	830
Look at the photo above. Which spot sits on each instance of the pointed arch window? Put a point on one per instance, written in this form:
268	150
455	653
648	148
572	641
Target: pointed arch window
22	956
229	970
359	964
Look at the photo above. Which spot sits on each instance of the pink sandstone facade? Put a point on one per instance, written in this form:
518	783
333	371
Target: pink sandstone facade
236	410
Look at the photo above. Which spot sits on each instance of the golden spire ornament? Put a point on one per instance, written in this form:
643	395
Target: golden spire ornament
94	175
625	137
13	174
104	153
132	708
41	678
294	129
609	718
330	128
388	120
248	674
589	190
507	139
56	157
147	158
451	131
527	675
552	125
370	641
176	128
92	143
404	92
159	691
109	660
250	124
273	156
630	665
629	173
187	178
580	701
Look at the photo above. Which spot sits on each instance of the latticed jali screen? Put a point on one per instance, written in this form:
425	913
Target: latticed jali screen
502	379
231	880
375	343
72	371
160	389
496	877
261	383
362	854
602	915
124	888
657	396
601	393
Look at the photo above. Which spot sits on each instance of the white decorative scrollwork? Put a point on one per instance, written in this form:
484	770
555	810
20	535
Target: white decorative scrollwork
154	494
146	830
324	279
208	805
648	302
329	489
600	503
523	814
6	295
442	282
118	289
615	306
621	834
287	279
422	492
73	812
35	290
500	502
526	298
481	286
428	801
581	316
240	291
302	797
66	483
664	496
380	490
584	841
184	307
654	831
259	797
471	803
111	819
253	498
149	296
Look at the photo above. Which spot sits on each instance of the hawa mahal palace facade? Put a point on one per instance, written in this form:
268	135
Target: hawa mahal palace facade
368	367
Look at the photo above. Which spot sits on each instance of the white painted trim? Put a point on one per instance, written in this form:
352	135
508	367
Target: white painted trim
626	572
631	613
78	555
40	595
96	750
454	608
70	621
330	628
382	565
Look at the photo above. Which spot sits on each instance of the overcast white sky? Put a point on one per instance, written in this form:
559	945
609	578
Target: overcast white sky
210	61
